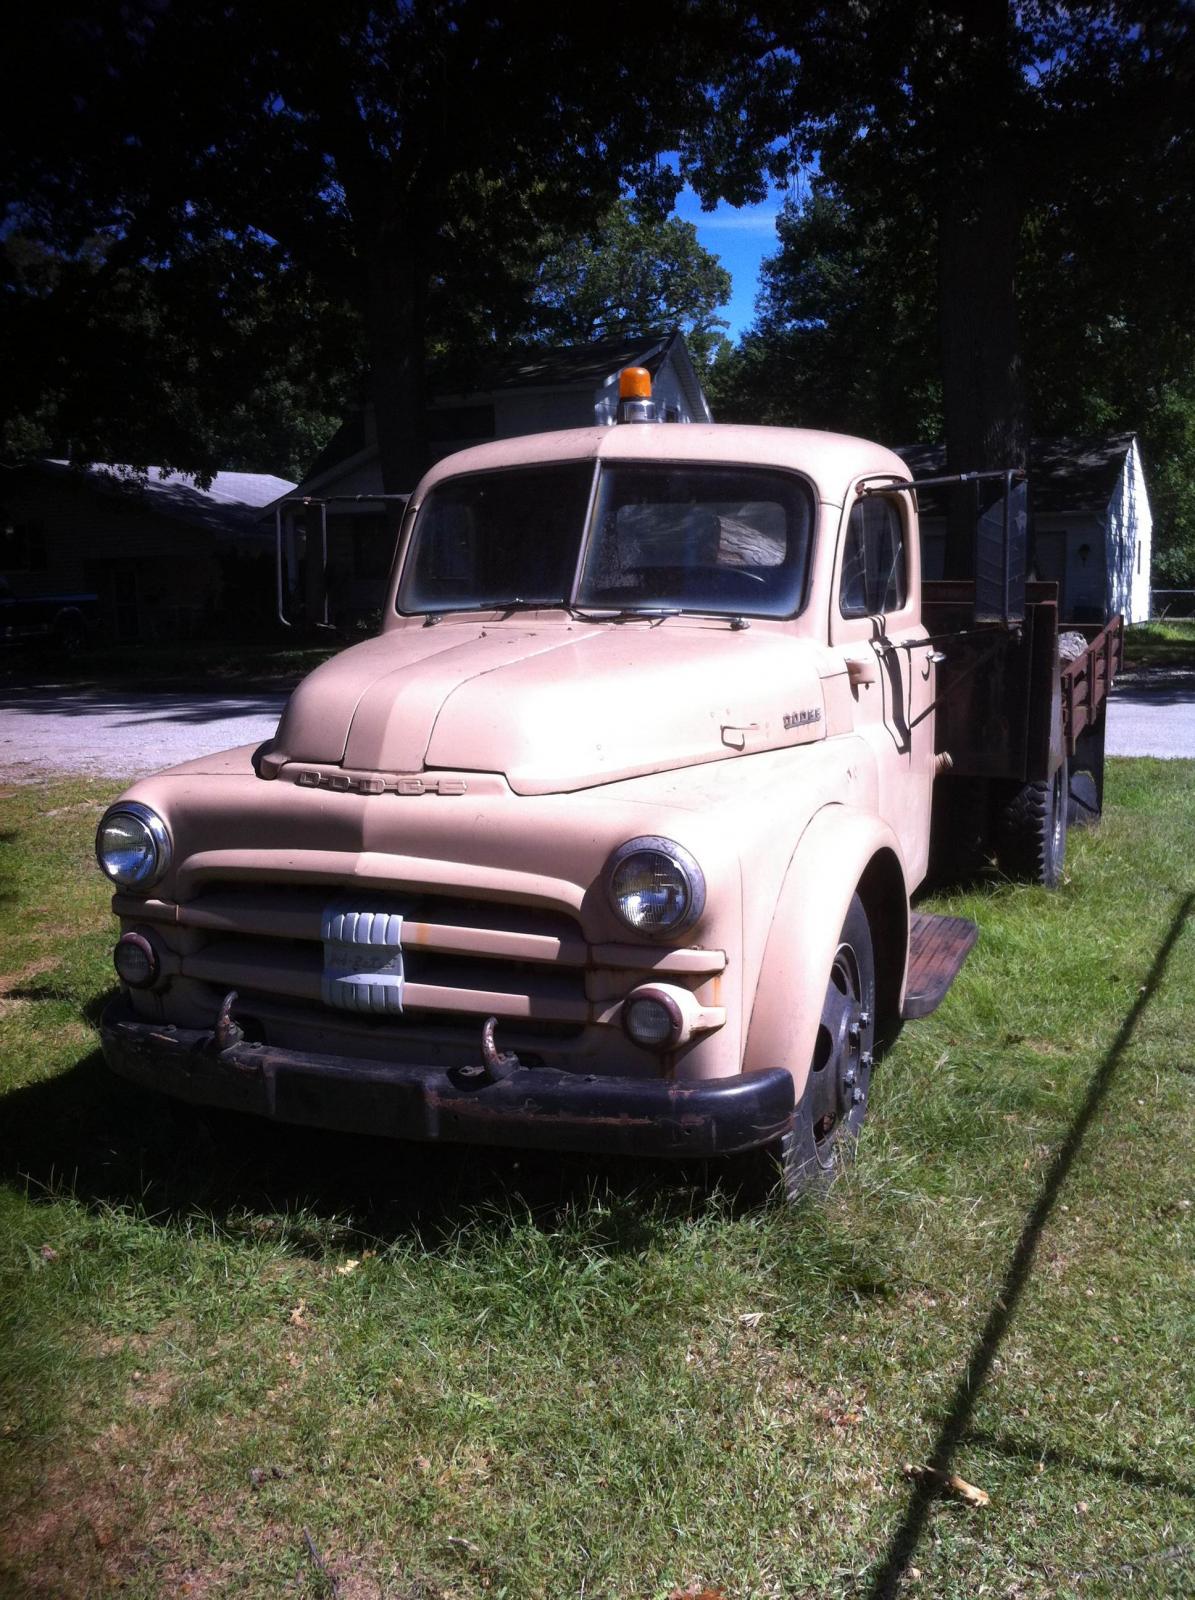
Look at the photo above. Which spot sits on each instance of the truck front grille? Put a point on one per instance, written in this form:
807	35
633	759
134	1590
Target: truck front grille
475	959
461	959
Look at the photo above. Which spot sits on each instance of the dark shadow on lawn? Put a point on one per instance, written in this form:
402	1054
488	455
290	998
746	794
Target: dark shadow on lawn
903	1545
86	1133
1032	1450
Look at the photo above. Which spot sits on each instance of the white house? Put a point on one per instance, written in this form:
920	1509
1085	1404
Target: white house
1091	528
540	390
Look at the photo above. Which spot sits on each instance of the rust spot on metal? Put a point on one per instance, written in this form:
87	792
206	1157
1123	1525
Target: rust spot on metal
226	1033
498	1064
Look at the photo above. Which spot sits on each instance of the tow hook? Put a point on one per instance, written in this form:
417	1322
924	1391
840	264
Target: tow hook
226	1033
498	1064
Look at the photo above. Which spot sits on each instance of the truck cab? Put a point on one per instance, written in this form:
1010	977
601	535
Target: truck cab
605	842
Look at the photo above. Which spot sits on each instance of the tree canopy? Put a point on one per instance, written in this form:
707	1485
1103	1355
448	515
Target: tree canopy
296	205
404	168
998	225
627	274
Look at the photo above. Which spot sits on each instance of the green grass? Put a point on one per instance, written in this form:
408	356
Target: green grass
547	1377
1163	644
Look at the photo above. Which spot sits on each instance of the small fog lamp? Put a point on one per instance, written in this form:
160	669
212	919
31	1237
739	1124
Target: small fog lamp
136	961
652	1020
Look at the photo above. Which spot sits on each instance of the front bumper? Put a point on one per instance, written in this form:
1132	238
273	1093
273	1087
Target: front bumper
539	1108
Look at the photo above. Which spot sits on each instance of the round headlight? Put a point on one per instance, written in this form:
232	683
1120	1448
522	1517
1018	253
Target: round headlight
132	845
655	886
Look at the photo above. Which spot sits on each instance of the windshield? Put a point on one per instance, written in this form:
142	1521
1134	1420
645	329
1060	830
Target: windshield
672	537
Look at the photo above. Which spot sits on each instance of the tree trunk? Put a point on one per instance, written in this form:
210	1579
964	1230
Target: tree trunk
979	225
396	341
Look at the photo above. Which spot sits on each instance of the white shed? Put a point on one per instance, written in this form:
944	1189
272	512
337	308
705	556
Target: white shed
1091	527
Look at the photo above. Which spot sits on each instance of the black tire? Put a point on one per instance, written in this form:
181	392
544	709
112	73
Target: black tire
832	1107
1031	833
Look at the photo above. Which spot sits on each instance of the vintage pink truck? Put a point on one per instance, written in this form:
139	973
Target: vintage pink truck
607	841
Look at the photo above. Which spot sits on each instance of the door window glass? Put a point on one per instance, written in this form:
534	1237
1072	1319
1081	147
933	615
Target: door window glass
873	563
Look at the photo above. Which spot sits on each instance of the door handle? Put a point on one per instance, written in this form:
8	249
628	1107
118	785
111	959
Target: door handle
862	672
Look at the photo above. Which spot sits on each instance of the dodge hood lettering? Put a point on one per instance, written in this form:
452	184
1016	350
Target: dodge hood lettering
554	708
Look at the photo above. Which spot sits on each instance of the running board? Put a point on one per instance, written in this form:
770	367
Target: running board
938	946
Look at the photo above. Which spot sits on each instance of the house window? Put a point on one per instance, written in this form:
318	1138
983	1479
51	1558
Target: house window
874	579
22	546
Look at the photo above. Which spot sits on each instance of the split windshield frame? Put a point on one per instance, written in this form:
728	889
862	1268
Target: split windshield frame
599	610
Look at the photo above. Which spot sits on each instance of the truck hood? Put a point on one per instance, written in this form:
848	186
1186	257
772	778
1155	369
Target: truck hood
554	707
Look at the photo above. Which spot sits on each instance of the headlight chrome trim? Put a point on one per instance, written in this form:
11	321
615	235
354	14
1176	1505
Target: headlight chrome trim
682	859
158	832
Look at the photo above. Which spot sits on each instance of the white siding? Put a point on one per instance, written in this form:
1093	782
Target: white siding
1130	542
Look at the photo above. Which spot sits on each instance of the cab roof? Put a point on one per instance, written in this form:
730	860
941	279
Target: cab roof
833	461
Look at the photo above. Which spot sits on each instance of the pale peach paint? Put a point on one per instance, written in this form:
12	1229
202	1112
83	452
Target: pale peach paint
494	764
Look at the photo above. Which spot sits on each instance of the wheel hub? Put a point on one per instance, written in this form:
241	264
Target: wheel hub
842	1062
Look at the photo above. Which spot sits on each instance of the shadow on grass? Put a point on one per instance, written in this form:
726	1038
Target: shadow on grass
87	1134
1033	1450
955	1426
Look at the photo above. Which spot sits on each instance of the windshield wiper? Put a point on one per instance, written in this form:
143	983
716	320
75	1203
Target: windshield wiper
628	613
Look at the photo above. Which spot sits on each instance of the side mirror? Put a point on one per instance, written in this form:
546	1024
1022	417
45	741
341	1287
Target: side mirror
1001	554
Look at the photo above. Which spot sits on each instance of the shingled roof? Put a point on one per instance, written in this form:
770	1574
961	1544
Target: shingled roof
533	367
231	505
1065	475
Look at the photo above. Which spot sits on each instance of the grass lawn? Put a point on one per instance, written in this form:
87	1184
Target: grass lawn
1168	643
464	1375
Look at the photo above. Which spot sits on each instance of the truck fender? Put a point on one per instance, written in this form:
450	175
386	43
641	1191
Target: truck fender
842	852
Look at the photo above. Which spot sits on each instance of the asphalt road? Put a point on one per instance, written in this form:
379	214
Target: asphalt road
125	733
1152	713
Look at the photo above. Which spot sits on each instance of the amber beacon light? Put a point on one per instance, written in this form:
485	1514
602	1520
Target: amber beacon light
635	403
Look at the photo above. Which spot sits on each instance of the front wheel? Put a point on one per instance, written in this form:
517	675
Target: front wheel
833	1104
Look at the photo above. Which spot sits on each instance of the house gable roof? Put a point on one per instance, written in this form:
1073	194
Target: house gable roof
578	366
229	507
1065	475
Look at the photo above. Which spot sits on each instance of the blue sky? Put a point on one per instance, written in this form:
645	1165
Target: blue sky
740	239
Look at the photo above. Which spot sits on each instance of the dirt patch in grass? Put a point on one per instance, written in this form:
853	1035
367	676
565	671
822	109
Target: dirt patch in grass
112	1512
33	969
78	1527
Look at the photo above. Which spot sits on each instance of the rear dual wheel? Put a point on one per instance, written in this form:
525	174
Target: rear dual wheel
1031	830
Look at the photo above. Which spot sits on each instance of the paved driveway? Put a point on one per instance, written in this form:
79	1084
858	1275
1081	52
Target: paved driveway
123	734
1153	714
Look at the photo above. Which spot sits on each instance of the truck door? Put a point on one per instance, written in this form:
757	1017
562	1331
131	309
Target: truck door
875	619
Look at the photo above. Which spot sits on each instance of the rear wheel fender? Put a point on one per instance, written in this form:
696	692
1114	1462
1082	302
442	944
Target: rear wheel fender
842	852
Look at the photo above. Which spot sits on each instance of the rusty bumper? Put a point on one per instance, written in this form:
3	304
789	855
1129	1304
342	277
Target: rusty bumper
538	1107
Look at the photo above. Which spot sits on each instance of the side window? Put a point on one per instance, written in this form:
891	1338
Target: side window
873	563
